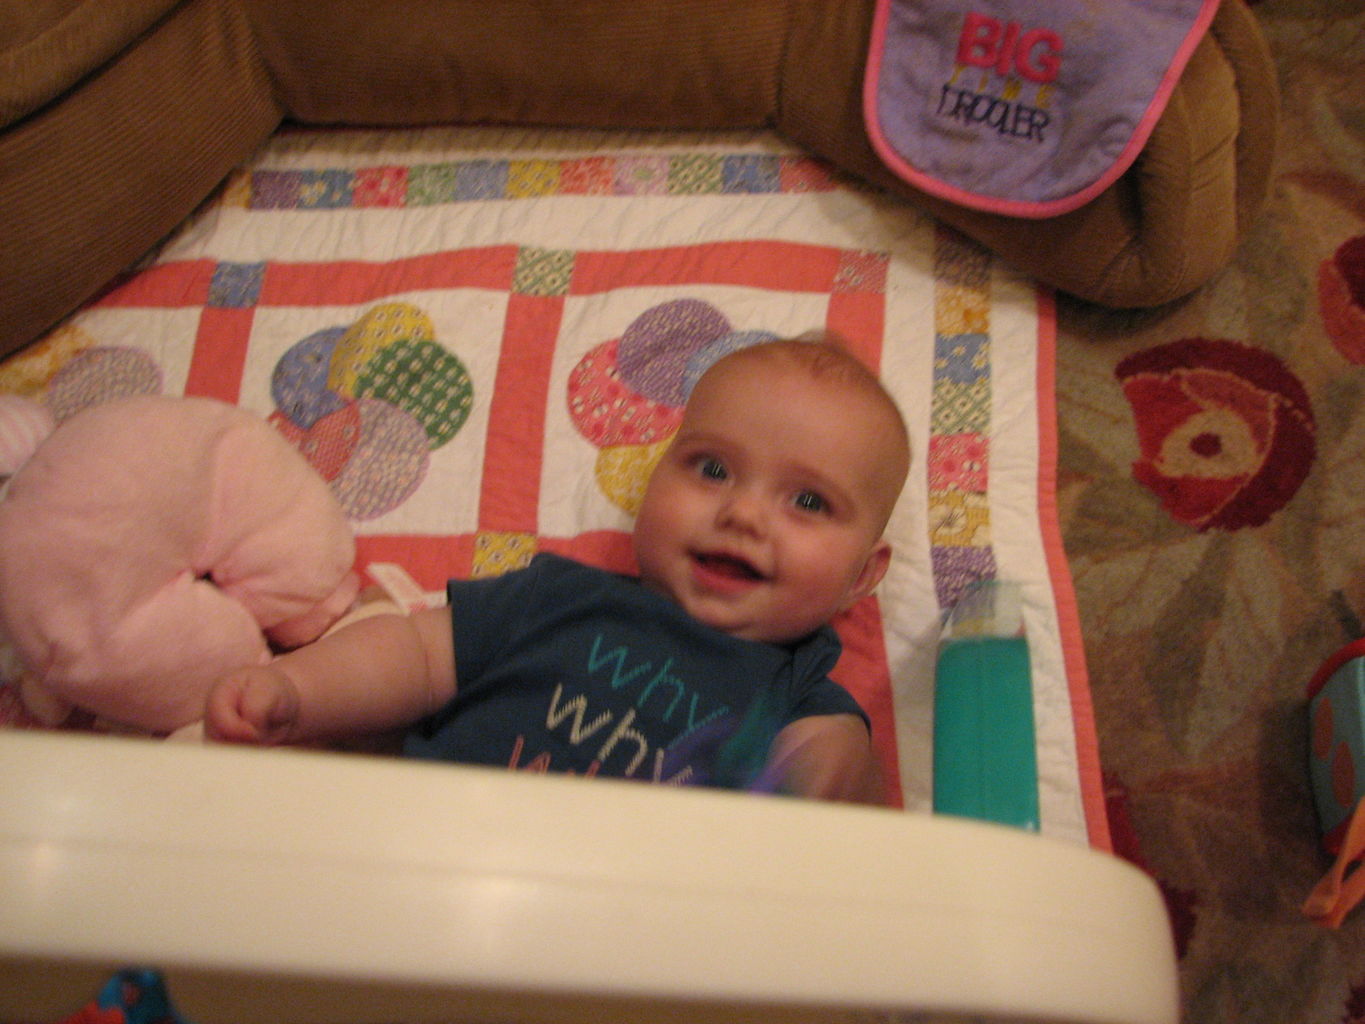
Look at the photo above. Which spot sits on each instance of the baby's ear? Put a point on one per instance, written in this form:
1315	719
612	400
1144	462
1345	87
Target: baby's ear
874	568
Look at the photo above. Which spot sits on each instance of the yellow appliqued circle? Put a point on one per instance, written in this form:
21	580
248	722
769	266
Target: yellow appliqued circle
622	472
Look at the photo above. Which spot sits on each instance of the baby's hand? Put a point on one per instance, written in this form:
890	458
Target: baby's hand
252	705
827	757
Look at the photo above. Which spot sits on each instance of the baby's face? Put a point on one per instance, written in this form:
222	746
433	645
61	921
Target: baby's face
764	517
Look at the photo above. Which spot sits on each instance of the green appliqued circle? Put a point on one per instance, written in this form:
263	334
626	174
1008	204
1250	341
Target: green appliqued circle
425	381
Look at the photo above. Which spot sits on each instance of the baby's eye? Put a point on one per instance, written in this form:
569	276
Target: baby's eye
809	501
711	469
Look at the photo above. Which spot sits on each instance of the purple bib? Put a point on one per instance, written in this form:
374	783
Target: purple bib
1021	107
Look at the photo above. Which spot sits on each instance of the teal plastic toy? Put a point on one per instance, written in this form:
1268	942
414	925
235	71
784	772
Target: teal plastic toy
1336	755
985	755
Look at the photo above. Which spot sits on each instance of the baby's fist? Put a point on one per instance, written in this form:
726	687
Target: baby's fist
252	705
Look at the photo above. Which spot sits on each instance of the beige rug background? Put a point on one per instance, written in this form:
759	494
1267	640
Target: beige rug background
1212	486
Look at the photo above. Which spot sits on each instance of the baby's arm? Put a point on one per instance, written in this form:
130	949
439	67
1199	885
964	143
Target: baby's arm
375	674
828	757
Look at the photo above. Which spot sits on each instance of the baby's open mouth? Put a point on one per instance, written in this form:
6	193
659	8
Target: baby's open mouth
728	565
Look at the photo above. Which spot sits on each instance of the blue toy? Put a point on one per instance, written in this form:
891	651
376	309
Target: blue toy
132	996
1336	757
1336	768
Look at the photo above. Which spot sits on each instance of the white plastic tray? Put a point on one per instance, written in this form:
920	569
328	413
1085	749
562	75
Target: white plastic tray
288	886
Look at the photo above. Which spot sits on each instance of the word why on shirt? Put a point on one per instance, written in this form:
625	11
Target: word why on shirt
614	732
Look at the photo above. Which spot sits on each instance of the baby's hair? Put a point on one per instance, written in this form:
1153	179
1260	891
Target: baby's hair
826	357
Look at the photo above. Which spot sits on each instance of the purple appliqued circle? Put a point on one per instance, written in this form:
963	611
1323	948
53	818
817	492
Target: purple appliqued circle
387	464
656	347
99	375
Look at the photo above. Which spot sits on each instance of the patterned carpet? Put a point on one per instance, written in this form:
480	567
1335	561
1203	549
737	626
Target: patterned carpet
1212	485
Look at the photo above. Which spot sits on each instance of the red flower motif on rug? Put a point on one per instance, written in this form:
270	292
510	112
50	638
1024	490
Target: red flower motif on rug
1341	298
1225	432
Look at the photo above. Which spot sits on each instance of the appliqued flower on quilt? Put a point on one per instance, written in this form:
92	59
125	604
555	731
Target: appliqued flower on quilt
368	402
626	395
69	370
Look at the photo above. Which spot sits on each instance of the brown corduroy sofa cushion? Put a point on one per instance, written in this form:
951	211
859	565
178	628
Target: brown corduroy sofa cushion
90	180
123	117
587	63
50	45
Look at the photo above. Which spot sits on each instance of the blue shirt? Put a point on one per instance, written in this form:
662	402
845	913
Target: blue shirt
566	668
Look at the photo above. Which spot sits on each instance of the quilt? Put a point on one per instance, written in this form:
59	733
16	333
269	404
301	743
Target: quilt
480	338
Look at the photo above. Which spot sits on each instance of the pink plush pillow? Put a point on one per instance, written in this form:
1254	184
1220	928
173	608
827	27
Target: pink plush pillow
151	544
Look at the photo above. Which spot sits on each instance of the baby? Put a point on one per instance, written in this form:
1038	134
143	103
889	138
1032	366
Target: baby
762	521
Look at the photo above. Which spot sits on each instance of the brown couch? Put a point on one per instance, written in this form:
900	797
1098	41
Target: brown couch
117	119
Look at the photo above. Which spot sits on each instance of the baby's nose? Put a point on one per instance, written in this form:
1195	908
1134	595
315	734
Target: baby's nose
743	510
